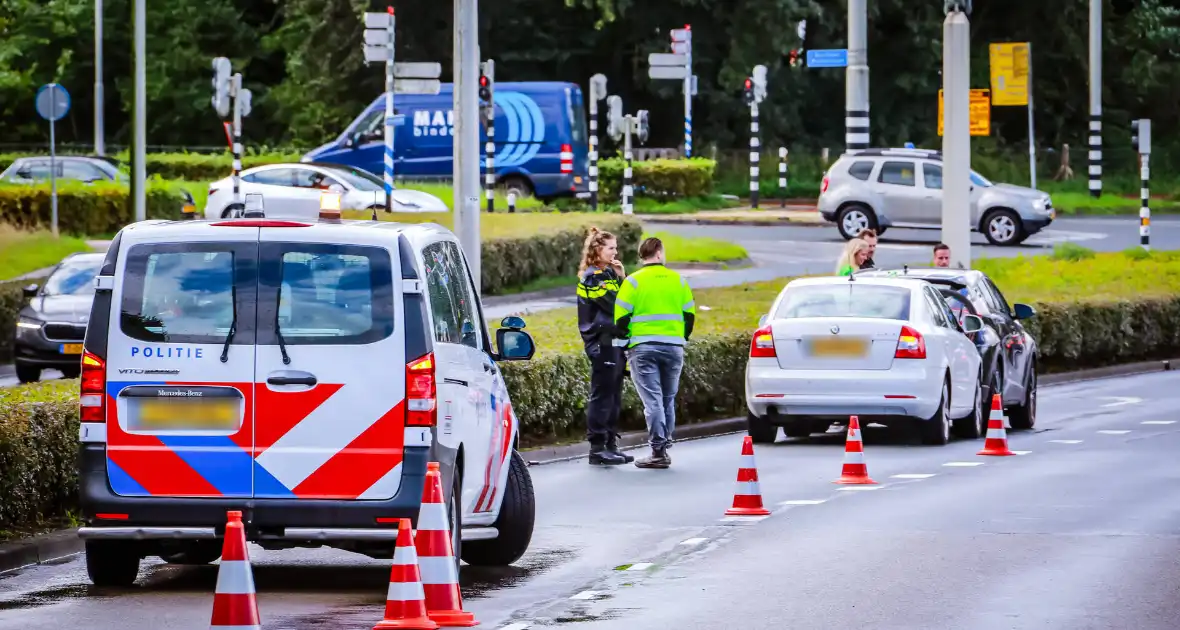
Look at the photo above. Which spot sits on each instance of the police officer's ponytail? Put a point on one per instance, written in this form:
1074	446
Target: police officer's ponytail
595	239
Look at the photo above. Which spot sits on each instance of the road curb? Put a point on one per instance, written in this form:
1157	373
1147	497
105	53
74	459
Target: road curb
1127	369
737	222
39	549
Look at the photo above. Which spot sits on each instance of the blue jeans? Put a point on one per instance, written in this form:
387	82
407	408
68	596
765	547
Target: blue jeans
655	370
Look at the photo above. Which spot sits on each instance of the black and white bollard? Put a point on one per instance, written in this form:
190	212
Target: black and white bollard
1144	197
628	192
490	175
593	156
782	176
755	154
511	201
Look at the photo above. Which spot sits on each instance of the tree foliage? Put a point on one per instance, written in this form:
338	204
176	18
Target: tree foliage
302	60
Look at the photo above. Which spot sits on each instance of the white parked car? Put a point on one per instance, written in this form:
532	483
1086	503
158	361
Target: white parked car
887	350
292	191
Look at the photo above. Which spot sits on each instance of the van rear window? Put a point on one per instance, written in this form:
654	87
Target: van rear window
185	293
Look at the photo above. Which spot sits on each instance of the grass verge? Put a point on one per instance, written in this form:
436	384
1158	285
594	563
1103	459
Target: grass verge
499	225
698	249
1068	203
22	252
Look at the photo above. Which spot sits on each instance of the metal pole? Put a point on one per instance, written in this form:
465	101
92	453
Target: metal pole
235	91
956	140
100	148
466	158
389	87
53	157
1144	198
782	175
755	154
1032	145
1095	160
856	92
593	151
628	193
688	93
139	154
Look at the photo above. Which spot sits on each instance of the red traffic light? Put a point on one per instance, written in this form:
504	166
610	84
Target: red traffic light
483	80
749	84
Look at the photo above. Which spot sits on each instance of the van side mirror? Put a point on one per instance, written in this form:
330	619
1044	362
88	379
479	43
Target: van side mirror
514	345
1023	311
31	290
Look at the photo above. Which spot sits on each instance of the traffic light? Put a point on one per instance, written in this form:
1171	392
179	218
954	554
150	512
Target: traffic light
1141	136
487	87
641	126
793	58
614	120
221	79
748	91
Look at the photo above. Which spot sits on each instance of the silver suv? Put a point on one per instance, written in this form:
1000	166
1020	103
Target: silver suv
884	188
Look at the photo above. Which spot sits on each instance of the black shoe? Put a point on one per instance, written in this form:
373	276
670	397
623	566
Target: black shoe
600	456
657	459
612	445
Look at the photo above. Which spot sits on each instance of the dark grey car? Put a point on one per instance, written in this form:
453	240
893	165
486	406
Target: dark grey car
51	327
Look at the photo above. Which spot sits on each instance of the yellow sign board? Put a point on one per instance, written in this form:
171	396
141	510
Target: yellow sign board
981	112
1010	69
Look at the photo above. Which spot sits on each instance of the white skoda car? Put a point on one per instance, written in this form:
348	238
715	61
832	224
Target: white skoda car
887	350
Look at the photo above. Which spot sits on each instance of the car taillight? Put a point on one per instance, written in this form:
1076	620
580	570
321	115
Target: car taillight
762	345
910	345
94	385
567	158
212	191
421	405
823	187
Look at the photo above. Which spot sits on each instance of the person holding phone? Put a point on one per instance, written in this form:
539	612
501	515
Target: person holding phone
599	276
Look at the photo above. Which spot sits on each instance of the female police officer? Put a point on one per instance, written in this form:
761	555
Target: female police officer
599	275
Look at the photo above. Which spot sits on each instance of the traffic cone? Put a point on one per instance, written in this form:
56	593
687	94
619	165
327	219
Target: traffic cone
234	599
997	438
855	472
405	605
436	557
747	498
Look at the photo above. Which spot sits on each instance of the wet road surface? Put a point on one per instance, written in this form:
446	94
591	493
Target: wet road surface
1081	532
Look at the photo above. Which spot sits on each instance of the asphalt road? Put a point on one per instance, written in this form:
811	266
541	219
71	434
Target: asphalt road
1080	532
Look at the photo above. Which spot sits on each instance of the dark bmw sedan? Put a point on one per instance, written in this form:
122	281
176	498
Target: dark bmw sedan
50	329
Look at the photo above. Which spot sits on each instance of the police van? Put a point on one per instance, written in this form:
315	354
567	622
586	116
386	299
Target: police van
304	373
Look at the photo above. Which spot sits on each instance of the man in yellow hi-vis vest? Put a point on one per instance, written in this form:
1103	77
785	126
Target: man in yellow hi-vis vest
654	311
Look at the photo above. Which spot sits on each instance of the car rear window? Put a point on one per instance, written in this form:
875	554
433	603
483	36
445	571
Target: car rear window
182	293
861	170
845	300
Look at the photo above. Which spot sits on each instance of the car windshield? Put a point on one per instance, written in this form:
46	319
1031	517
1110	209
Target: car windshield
74	277
845	300
357	178
980	180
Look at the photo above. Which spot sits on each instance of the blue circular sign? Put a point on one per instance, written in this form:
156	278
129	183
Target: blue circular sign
53	101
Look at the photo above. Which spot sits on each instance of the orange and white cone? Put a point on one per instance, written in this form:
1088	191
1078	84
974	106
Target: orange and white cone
235	603
855	471
436	557
405	604
997	438
747	498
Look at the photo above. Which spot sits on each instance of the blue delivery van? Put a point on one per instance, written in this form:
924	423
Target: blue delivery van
541	137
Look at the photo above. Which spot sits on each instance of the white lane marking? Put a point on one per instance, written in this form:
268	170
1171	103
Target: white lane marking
913	476
744	519
1119	401
1021	452
640	566
803	502
516	626
962	464
1066	441
585	595
860	488
1158	422
1108	432
693	541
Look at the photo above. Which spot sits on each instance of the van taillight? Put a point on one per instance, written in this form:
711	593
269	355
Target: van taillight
910	344
762	345
94	385
567	158
421	405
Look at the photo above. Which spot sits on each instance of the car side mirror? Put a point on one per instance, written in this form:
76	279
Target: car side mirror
972	323
514	345
1023	311
31	290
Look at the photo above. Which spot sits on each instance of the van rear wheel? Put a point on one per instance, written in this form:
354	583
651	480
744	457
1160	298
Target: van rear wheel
112	562
518	511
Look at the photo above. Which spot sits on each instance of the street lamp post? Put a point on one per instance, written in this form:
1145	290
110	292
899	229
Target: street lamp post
956	139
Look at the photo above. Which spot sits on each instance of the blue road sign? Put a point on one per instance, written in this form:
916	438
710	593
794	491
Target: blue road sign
53	101
827	58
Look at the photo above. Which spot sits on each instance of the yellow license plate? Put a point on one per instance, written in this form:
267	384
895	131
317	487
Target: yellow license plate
838	347
188	414
71	348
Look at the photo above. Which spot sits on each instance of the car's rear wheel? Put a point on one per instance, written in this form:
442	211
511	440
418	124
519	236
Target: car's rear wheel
760	429
28	373
112	562
854	218
936	431
518	512
1003	227
973	426
1024	416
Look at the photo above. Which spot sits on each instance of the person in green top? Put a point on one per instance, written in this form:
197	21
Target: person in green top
856	252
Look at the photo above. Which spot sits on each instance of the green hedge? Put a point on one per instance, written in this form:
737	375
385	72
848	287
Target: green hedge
38	441
94	209
659	179
507	263
11	301
194	167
